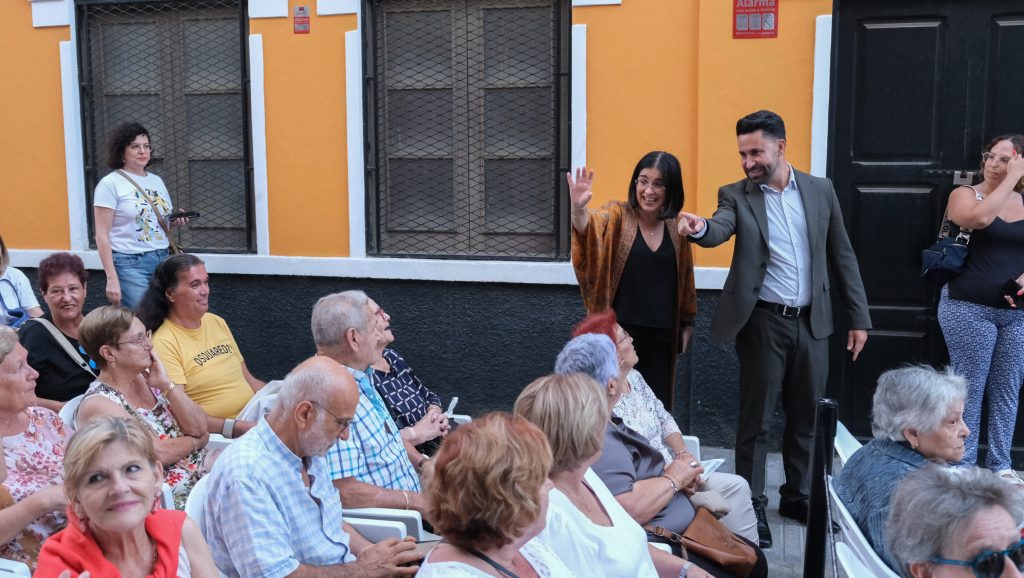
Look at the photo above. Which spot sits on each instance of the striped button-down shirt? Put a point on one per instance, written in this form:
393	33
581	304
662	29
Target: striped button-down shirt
787	279
262	520
373	452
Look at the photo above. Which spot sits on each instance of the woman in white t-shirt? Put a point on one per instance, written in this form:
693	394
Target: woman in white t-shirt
129	236
16	296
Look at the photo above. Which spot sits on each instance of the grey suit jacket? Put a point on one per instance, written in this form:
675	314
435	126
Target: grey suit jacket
741	211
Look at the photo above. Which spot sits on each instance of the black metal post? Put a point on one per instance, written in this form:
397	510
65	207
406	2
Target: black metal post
821	465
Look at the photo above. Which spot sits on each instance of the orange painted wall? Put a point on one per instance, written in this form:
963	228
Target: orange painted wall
307	163
33	188
661	74
667	74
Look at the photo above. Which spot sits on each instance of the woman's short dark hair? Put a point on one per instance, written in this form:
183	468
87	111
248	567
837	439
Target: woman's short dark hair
766	121
119	139
672	176
58	264
154	306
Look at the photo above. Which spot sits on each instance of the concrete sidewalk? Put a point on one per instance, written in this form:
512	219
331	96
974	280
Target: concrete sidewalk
786	556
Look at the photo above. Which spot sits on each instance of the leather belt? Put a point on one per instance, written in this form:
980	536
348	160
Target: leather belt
783	310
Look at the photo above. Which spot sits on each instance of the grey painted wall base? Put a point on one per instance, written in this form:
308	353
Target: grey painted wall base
480	341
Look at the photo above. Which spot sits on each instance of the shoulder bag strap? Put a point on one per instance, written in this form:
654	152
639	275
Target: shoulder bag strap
159	217
65	344
492	563
946	229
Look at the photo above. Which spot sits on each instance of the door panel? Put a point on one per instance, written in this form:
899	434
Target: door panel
890	132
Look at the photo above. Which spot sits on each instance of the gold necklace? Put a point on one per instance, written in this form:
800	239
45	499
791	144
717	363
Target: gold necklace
575	498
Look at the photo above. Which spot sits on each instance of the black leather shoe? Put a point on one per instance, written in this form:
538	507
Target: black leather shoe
764	533
798	511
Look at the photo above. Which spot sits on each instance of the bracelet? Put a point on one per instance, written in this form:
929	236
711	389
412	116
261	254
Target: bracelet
170	388
228	429
195	444
675	486
420	462
682	452
685	568
405	494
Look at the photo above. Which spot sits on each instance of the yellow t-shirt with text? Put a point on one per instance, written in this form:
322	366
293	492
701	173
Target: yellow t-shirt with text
207	361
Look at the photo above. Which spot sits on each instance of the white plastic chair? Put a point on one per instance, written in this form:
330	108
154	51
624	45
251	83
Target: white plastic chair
12	569
846	444
693	444
855	540
67	413
195	507
261	403
377	530
166	497
411	519
851	564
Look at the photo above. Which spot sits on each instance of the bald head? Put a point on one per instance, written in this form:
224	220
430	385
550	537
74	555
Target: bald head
316	402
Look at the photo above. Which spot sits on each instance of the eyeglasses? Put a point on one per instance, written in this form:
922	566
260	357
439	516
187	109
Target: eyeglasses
140	340
342	423
381	313
643	183
989	564
999	159
136	146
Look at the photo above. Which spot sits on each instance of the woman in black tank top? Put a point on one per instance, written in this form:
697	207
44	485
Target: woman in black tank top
984	331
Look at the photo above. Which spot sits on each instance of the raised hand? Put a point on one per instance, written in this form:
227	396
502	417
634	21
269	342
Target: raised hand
580	191
1015	167
689	224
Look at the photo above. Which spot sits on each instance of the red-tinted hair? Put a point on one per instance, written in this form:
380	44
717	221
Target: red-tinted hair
602	323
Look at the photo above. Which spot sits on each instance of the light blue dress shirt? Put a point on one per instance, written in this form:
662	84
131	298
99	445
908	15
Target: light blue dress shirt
787	279
262	520
374	452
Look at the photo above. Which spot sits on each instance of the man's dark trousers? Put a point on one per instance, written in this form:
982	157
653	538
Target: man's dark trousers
778	354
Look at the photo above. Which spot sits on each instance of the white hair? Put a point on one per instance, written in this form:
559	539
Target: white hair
591	354
915	396
334	314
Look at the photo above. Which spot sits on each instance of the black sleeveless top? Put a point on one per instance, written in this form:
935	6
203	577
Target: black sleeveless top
996	254
647	290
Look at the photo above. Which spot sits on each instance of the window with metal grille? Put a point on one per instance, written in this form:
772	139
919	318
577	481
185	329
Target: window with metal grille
468	127
178	68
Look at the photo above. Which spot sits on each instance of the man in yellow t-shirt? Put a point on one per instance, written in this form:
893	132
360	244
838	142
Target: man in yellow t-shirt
206	360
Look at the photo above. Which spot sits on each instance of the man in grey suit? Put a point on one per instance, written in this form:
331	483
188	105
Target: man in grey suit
776	303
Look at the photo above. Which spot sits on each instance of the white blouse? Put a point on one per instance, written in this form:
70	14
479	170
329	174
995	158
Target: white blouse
543	560
616	551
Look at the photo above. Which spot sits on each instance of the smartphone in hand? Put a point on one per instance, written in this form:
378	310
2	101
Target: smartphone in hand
1010	289
183	215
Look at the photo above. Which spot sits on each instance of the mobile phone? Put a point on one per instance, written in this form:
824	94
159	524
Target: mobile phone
184	215
1010	289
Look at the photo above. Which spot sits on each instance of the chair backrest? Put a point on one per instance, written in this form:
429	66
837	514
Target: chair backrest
12	569
195	505
166	497
261	403
459	418
412	520
855	540
693	444
846	444
850	562
377	530
67	413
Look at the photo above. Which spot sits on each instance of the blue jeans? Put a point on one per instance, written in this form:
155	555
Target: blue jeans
134	272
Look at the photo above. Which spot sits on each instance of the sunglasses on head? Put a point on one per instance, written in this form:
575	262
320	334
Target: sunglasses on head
989	564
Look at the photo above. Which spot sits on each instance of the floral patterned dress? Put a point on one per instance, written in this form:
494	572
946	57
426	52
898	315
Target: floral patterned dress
34	462
182	475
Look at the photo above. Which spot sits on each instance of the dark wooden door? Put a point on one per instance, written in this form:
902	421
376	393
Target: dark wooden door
917	88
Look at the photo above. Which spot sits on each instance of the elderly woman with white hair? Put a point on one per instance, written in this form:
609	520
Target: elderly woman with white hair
956	523
917	418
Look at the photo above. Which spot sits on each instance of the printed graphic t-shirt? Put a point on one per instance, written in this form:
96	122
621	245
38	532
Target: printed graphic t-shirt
208	362
135	228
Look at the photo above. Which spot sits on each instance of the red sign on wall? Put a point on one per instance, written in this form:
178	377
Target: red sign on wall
755	19
300	22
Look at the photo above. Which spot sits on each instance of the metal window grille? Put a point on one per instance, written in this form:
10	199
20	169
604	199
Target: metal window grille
179	68
467	127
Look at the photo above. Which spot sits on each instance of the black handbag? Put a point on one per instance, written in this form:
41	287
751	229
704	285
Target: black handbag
946	258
